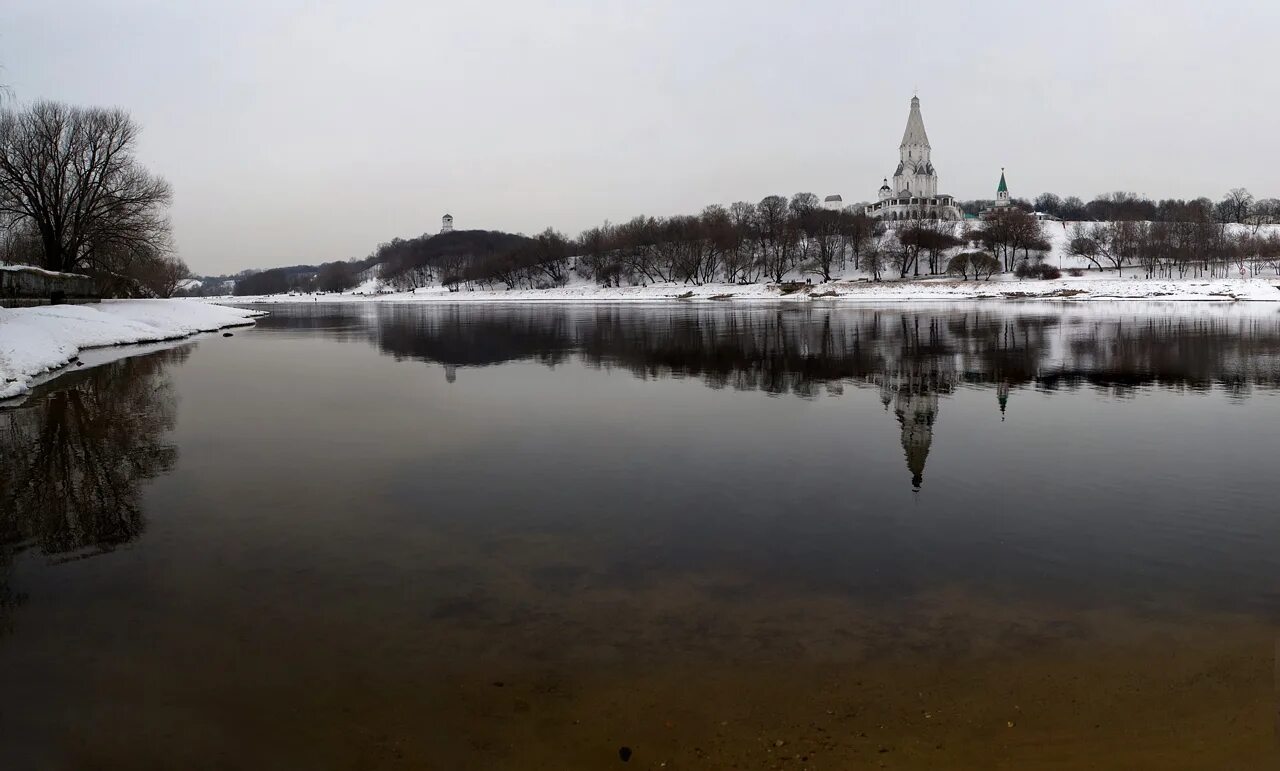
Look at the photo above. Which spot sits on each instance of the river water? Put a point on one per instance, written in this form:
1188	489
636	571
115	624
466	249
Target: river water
374	536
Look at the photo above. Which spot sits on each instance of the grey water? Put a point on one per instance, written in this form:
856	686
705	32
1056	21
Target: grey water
518	536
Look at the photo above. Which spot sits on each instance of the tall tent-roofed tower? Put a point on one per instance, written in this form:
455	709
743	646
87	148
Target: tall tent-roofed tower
915	174
446	223
913	194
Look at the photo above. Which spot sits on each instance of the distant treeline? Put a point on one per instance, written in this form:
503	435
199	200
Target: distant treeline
1237	206
328	277
783	239
775	239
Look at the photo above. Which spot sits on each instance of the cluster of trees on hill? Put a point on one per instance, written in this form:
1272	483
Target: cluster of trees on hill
780	239
775	240
449	258
335	276
73	198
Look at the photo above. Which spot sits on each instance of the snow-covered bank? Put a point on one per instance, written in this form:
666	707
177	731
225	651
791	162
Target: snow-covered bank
34	341
1090	286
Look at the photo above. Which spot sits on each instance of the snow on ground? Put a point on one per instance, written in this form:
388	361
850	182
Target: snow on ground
42	271
1093	285
37	340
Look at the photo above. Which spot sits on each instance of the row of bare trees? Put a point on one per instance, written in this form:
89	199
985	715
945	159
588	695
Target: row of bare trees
777	239
742	243
74	198
1197	247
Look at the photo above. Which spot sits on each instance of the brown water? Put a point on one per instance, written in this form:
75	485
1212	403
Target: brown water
367	537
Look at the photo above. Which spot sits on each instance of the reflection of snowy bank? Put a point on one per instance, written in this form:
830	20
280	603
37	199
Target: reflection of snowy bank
1091	286
35	341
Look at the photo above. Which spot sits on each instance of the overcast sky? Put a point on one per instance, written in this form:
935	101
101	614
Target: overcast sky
310	131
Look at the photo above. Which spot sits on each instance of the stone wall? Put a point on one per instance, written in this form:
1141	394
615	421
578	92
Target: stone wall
23	284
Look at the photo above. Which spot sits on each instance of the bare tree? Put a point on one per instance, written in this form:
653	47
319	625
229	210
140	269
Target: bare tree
71	172
164	275
1265	212
827	232
1006	232
980	264
1236	204
777	235
743	262
880	253
336	277
860	232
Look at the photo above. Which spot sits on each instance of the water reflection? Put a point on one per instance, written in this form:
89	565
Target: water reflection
358	564
76	456
912	356
805	350
914	394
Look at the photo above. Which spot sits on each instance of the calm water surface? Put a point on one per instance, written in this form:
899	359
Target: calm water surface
373	536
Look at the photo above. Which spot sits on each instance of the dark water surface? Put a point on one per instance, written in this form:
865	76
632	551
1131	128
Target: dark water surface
375	536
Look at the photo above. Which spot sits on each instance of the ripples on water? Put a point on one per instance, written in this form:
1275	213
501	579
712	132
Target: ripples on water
388	509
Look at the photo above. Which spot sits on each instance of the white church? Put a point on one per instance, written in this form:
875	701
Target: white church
914	192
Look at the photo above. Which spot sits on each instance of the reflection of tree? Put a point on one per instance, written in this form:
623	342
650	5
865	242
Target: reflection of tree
457	337
74	458
804	350
912	356
1176	351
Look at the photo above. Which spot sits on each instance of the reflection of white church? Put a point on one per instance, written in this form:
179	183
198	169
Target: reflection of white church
914	192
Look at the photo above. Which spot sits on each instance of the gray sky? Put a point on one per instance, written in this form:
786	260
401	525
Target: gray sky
310	131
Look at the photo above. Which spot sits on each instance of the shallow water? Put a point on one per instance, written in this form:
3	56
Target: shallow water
981	536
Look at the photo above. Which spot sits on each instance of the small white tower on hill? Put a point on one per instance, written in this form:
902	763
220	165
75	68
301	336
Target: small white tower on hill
446	223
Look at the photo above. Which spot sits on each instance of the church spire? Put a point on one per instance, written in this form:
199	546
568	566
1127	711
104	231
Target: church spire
914	135
1003	188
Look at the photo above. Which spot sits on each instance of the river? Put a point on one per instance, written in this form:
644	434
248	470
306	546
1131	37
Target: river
371	536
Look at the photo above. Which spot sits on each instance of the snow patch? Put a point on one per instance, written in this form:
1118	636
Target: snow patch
37	340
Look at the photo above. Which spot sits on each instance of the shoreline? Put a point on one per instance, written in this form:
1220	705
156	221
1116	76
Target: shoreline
1080	290
38	343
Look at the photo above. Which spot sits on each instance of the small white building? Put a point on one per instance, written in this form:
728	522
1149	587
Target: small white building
833	203
446	223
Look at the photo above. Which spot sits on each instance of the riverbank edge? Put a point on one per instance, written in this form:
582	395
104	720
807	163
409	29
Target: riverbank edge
837	292
38	344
